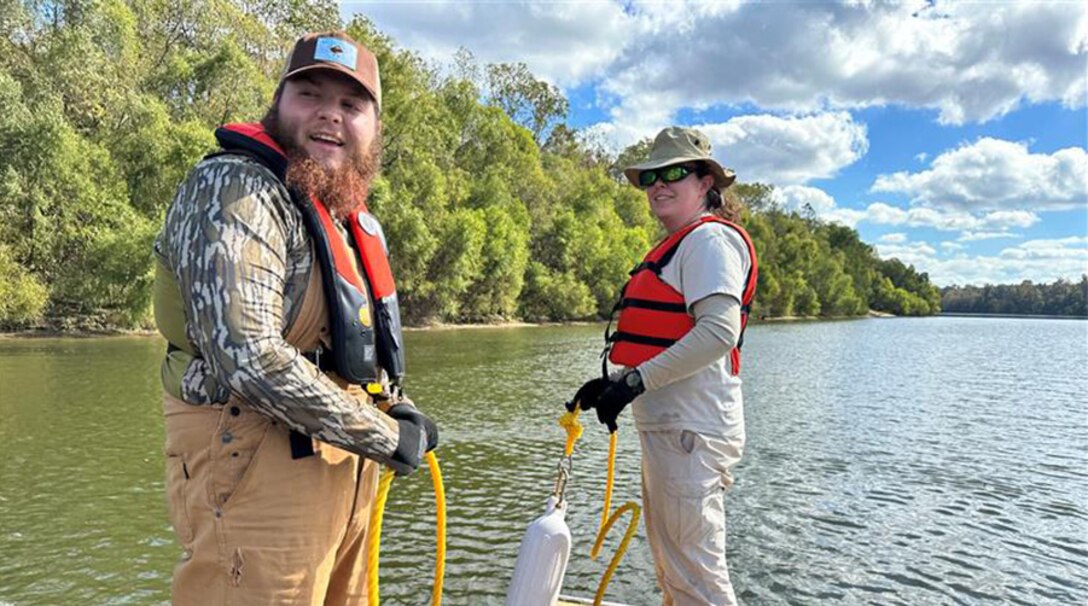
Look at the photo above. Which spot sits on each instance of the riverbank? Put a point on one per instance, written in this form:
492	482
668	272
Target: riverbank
79	333
953	314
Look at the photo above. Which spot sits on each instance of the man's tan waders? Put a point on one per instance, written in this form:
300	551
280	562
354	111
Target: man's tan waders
257	527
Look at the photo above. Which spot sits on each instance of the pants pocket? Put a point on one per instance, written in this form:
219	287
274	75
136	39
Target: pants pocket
696	513
177	505
693	492
237	443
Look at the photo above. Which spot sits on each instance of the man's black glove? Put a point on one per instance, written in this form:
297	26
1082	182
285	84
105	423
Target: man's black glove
609	397
418	436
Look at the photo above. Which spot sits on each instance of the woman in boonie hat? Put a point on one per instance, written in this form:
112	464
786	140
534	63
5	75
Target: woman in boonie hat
677	343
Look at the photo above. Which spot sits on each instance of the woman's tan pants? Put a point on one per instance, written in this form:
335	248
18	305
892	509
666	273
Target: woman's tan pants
257	527
684	478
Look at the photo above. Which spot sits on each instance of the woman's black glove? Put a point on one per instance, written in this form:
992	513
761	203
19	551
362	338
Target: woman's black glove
608	397
587	394
418	436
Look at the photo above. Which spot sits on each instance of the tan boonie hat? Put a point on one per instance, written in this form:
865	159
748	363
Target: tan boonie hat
338	52
676	145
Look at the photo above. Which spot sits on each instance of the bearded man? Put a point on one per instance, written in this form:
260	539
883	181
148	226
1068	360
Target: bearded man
285	358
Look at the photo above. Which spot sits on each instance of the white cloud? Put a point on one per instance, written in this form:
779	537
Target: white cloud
783	151
795	197
1036	260
1010	218
912	253
968	61
885	214
921	157
992	174
1074	247
880	213
788	150
563	43
975	236
845	216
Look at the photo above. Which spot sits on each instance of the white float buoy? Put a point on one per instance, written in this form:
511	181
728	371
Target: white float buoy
542	559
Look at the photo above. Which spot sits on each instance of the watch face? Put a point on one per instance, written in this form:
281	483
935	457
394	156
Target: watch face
633	379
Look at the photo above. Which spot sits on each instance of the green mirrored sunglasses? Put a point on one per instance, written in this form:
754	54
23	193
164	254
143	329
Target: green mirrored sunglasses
668	174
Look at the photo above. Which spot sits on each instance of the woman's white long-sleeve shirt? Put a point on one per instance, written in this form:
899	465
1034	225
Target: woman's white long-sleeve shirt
689	385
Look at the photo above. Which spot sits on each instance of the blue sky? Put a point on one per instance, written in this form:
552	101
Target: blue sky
951	135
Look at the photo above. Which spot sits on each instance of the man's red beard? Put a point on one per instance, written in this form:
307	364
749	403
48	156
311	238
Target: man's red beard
341	190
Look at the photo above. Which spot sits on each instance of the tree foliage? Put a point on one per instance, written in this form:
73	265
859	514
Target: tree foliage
1059	298
493	206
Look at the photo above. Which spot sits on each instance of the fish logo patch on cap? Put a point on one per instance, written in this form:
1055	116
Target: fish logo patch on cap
335	50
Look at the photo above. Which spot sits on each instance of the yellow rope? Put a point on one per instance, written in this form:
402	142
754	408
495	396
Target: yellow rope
374	535
608	483
569	422
440	523
632	526
608	520
373	540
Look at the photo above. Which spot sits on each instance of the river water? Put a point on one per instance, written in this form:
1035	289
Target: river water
889	461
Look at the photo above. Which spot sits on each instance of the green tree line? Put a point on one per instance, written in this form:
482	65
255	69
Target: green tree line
1059	298
494	207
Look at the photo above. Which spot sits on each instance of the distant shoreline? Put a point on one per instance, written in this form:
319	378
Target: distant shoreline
52	333
953	314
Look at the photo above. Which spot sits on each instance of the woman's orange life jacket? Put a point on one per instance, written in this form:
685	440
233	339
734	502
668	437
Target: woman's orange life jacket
653	315
362	339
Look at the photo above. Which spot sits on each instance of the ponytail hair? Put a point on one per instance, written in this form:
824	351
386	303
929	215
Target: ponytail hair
725	205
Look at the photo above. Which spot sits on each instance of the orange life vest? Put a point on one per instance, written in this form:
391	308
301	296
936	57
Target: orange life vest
653	315
362	339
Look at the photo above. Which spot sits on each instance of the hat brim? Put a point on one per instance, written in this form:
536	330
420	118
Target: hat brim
723	177
333	67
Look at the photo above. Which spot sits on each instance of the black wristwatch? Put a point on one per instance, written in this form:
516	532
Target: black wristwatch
633	380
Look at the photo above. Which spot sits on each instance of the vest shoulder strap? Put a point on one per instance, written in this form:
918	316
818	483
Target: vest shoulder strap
658	264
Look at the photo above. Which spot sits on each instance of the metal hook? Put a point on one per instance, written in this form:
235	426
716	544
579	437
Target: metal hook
563	474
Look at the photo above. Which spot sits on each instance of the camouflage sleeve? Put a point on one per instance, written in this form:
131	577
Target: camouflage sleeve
230	232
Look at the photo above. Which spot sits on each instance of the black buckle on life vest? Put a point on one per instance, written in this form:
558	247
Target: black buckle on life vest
322	359
301	446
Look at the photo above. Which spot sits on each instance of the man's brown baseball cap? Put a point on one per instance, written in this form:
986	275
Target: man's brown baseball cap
336	51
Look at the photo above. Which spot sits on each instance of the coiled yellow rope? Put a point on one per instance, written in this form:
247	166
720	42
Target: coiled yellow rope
373	540
374	535
569	422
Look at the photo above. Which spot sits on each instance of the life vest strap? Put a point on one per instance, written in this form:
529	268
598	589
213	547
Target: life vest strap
640	339
659	264
650	265
654	305
665	258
